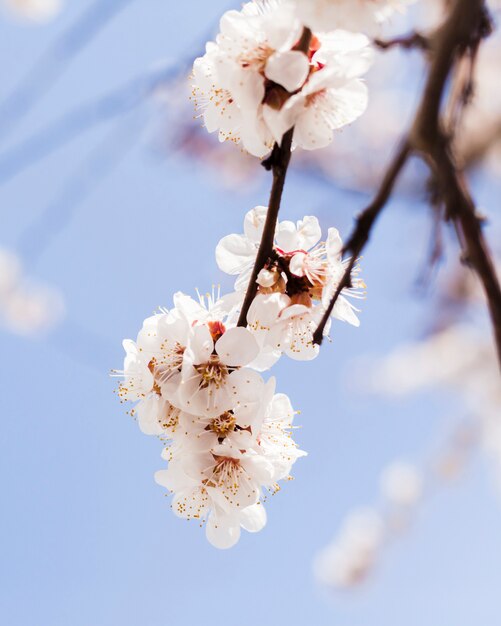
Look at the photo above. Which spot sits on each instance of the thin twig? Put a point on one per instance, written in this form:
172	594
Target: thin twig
362	231
412	41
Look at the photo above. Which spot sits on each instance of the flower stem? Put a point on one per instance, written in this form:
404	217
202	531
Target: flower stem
278	163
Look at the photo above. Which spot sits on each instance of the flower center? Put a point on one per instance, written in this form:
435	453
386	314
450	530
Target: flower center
226	473
170	362
216	329
223	424
256	57
213	372
170	420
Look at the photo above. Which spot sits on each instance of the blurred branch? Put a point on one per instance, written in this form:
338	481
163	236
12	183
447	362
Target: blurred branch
99	164
466	25
363	229
408	42
55	60
117	102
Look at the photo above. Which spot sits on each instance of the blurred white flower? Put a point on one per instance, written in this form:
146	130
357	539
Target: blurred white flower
33	309
459	359
10	272
26	307
35	10
356	15
402	484
349	559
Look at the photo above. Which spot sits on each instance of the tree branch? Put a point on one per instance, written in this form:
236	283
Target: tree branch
467	24
362	231
411	41
278	163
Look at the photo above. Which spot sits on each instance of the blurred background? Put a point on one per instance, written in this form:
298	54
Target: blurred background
112	198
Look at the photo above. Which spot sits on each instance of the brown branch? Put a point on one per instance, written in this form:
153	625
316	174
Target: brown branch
412	41
362	231
278	163
467	24
461	209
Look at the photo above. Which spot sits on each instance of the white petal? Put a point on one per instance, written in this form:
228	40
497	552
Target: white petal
329	111
258	468
248	91
234	252
255	135
222	533
289	69
244	385
188	307
266	278
297	262
345	311
201	345
281	409
237	347
191	504
149	411
334	245
309	232
253	518
279	121
287	237
282	27
254	223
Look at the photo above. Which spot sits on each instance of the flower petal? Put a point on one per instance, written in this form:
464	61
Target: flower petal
221	532
287	237
234	252
309	232
201	345
289	69
254	223
149	412
253	518
237	347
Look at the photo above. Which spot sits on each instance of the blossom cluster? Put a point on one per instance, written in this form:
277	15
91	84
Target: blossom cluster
196	376
228	432
254	83
262	76
294	288
196	370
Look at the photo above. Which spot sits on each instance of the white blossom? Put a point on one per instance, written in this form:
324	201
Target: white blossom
252	85
350	557
355	15
26	307
333	96
221	465
228	434
402	484
294	288
456	358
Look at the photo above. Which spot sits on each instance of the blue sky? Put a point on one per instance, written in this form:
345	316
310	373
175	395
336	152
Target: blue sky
87	537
